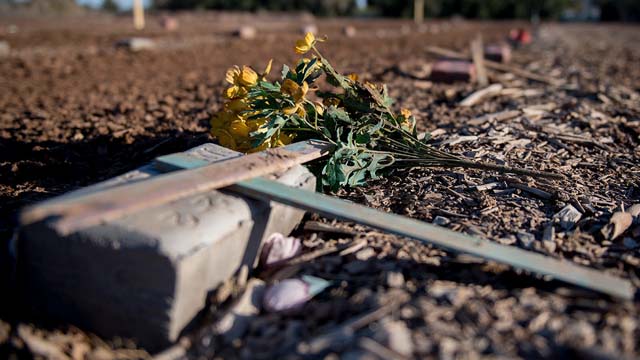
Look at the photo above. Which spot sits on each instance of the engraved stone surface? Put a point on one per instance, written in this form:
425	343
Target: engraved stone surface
146	275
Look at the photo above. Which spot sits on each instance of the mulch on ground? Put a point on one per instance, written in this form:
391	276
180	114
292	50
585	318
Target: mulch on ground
74	115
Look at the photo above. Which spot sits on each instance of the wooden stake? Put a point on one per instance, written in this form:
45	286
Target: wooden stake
418	11
477	53
138	15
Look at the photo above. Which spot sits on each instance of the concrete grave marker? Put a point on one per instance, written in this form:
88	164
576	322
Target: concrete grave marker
146	275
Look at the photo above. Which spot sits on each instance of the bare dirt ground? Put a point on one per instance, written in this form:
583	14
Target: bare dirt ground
75	110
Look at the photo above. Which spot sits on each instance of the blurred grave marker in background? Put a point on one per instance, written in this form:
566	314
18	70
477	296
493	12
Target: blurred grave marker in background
418	11
477	54
449	71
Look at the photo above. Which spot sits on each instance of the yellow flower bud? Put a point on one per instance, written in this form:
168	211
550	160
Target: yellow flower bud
304	45
247	77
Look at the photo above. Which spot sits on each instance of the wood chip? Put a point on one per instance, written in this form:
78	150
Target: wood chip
618	224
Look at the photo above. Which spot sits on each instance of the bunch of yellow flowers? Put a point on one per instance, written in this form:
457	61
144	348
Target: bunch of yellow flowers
369	137
232	126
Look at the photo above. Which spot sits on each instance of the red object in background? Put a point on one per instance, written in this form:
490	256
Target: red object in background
498	53
520	36
453	70
169	23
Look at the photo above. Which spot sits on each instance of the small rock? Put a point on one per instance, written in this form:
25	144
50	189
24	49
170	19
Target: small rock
629	243
349	31
136	44
246	32
550	246
526	239
236	321
4	48
309	28
568	217
441	220
365	254
399	337
169	23
618	224
395	279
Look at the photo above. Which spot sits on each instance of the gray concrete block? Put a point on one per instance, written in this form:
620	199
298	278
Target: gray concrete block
145	276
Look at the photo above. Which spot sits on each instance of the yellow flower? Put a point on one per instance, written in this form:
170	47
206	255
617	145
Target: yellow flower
294	90
256	124
235	92
304	45
285	139
319	107
241	77
353	76
232	75
224	138
237	105
408	121
239	129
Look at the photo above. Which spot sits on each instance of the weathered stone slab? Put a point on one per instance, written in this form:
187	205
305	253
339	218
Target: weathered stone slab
147	275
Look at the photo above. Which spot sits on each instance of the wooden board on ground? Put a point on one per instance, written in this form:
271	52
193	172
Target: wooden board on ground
71	214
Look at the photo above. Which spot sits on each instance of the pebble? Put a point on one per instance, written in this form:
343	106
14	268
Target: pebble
399	337
526	239
441	221
568	217
550	246
246	32
169	23
349	31
4	48
395	279
309	28
365	254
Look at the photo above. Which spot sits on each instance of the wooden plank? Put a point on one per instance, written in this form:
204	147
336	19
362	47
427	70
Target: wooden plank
496	66
335	208
71	214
